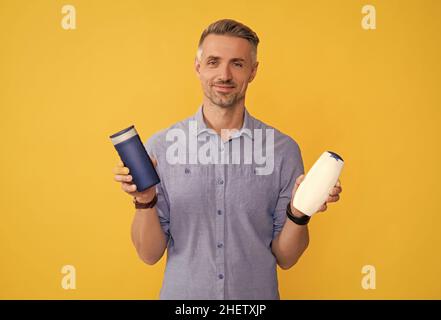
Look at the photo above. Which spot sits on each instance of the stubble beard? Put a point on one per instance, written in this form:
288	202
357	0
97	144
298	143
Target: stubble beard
223	100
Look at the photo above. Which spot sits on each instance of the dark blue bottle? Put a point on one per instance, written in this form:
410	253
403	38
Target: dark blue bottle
134	156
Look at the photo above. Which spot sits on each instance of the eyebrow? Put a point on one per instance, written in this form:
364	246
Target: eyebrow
218	58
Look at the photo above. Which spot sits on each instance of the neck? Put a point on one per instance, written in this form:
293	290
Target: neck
218	118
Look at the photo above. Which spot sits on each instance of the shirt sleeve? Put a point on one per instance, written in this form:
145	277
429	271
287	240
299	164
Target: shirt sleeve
291	169
162	205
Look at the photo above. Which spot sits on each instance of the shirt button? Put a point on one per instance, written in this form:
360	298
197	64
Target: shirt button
219	212
220	181
220	245
221	276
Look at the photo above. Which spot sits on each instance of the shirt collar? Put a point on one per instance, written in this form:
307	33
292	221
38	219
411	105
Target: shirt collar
247	127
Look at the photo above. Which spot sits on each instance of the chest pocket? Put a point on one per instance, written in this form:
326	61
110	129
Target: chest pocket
187	187
250	193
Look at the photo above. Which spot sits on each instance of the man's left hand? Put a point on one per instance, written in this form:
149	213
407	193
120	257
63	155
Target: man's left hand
334	196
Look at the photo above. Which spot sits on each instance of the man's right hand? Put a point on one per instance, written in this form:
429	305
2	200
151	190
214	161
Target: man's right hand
122	175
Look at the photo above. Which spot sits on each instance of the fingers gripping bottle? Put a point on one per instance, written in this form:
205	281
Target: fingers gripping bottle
134	156
318	183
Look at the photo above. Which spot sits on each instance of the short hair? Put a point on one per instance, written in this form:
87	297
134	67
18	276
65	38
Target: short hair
231	28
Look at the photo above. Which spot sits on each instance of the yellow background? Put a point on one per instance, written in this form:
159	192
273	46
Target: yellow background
372	96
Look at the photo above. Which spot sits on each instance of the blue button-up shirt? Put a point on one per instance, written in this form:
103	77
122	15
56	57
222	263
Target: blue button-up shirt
218	211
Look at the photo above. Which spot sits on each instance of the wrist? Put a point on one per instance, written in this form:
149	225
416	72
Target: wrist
145	198
297	217
145	205
296	213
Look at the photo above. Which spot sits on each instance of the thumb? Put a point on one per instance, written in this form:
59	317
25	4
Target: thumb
298	182
154	161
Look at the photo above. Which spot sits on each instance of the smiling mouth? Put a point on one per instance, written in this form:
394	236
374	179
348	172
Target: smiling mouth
223	88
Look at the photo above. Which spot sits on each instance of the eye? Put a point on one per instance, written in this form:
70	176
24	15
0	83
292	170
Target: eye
212	62
238	64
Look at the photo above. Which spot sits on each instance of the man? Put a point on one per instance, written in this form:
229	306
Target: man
224	223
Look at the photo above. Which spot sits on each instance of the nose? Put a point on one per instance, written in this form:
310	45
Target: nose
225	73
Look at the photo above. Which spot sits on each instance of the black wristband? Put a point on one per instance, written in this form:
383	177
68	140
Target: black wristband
300	221
148	205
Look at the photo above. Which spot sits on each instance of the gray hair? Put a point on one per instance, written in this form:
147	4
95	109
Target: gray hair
231	28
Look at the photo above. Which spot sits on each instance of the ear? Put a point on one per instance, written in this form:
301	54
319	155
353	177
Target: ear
197	66
253	73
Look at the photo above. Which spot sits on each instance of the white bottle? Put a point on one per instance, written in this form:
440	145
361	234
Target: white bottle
318	183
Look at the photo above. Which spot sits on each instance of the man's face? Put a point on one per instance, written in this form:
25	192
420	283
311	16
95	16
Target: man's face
225	69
